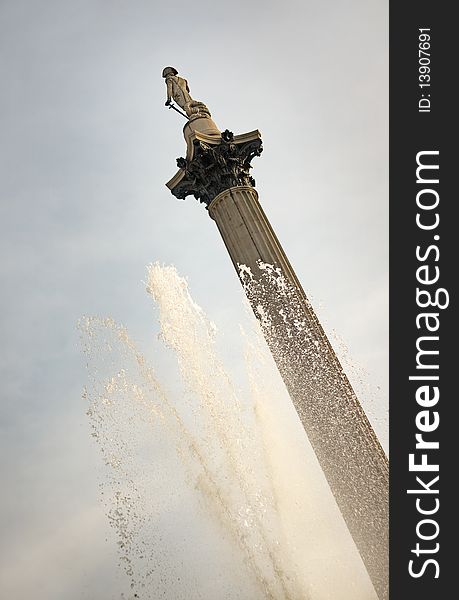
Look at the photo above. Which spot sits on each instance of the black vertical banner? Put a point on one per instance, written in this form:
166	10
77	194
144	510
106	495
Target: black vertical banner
423	426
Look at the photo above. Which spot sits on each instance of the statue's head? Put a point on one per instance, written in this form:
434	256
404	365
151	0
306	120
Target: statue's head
169	71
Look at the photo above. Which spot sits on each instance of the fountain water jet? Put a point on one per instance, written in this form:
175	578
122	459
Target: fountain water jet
236	462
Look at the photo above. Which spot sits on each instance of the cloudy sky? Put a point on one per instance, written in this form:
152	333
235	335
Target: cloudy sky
86	148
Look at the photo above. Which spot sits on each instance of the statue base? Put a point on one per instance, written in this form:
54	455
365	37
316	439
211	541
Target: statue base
199	124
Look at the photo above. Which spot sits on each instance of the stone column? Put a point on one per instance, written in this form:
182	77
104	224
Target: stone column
217	173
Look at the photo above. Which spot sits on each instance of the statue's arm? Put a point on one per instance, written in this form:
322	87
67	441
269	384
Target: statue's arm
169	91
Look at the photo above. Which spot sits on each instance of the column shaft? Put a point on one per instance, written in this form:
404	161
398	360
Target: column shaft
346	446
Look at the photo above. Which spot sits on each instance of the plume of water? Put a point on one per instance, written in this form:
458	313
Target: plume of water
212	491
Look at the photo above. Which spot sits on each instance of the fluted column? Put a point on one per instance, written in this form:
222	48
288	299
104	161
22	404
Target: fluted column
346	446
216	172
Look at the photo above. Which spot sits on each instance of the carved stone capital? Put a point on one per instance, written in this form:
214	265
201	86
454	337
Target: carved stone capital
216	164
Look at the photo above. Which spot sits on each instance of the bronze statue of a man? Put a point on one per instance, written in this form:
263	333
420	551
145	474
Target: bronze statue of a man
178	90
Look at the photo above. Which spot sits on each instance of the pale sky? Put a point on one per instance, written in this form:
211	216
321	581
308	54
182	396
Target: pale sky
86	148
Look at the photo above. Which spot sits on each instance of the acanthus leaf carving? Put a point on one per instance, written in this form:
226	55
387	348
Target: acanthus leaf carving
215	168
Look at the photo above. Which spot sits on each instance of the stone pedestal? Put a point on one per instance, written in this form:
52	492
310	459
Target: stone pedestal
356	468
